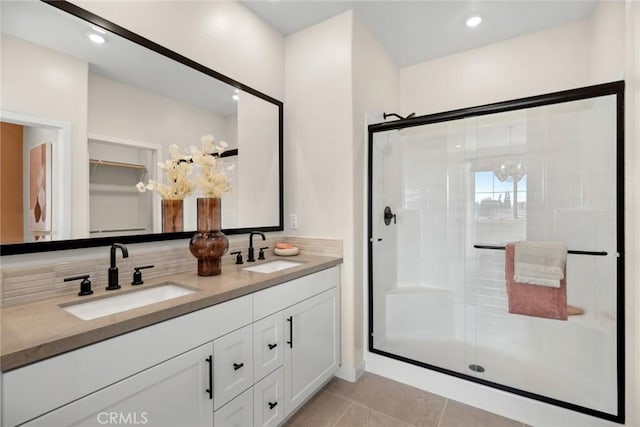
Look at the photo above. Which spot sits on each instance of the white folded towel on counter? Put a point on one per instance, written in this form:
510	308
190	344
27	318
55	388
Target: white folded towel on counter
540	263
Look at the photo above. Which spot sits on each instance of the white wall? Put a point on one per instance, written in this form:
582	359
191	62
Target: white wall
318	147
542	62
375	91
221	35
632	234
335	73
37	81
607	42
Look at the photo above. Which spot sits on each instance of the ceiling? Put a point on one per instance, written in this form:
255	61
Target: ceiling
420	30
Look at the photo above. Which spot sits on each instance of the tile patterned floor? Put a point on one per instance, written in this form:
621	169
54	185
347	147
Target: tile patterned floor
376	401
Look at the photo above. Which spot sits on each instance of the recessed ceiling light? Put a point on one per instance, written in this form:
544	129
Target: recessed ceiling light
235	97
474	21
96	38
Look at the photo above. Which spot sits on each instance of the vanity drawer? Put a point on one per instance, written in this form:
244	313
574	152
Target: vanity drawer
268	400
268	345
232	365
276	298
237	413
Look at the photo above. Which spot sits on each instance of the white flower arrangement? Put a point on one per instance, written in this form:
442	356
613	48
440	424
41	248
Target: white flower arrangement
177	170
212	180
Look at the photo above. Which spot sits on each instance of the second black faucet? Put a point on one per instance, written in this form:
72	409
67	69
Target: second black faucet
251	257
113	270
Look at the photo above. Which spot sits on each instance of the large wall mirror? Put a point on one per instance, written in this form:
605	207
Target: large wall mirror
84	122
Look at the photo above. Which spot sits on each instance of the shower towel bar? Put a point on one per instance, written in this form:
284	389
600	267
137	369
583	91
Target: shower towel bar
501	248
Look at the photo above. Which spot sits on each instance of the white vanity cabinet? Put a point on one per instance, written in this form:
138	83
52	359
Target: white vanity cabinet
311	312
235	364
311	354
173	393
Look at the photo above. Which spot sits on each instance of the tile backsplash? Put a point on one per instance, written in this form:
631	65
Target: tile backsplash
45	280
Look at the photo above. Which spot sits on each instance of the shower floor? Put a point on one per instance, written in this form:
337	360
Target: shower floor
552	380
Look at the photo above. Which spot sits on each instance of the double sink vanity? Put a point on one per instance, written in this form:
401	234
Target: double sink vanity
245	348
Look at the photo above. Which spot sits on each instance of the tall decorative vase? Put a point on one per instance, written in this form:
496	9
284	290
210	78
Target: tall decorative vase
172	217
208	245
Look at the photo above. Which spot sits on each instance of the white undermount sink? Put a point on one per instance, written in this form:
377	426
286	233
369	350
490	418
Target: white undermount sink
117	303
272	266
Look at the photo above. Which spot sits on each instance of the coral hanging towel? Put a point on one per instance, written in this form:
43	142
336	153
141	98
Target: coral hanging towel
534	300
540	263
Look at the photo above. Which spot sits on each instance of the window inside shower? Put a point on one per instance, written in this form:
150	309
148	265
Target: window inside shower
448	191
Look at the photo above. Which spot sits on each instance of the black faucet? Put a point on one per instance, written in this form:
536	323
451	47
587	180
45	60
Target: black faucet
113	270
250	257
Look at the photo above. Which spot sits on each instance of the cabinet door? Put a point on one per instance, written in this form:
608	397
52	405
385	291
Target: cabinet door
237	413
232	365
312	346
268	345
173	393
268	400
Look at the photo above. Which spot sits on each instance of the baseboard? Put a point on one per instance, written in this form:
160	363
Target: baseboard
351	374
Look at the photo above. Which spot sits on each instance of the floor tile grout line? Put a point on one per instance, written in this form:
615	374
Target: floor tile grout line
444	408
338	394
344	413
363	405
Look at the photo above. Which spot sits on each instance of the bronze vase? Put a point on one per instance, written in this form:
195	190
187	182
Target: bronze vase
208	245
172	217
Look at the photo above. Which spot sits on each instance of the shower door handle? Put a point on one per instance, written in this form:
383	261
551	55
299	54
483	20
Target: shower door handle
388	216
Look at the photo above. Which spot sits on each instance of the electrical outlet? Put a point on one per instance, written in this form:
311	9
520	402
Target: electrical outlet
293	221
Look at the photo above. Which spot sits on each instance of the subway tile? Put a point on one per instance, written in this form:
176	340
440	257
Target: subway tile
22	299
29	277
19	272
29	282
31	290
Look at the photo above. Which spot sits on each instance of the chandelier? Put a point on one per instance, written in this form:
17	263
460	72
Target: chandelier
510	170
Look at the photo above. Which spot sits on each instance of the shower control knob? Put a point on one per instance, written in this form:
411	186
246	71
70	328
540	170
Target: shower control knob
388	216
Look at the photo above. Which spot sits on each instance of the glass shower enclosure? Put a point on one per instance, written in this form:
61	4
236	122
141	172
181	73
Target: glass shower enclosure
448	191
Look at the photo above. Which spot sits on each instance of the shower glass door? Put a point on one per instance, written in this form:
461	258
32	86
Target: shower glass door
448	191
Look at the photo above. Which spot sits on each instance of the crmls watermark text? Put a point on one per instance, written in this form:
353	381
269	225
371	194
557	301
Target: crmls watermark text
123	418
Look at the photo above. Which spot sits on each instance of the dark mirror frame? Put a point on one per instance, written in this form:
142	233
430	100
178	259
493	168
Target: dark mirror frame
57	245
